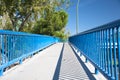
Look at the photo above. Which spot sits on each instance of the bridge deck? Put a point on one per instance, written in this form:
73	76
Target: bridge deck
51	63
40	67
71	68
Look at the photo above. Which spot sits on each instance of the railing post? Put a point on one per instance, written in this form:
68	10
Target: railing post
86	60
77	51
118	41
1	71
111	67
80	54
2	50
101	46
114	56
96	71
20	61
2	54
109	51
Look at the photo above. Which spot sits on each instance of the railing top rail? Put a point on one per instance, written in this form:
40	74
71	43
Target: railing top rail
112	24
7	32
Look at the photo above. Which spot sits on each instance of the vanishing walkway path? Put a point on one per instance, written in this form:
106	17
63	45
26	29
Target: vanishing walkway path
55	62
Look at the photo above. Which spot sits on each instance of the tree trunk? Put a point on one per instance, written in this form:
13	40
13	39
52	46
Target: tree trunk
23	22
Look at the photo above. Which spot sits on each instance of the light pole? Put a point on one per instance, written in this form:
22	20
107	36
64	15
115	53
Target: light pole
77	10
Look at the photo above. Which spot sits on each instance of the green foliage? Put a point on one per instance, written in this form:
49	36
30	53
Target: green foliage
52	23
19	11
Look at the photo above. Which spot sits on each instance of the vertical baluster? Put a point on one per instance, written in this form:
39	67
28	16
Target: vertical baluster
100	49
108	51
3	49
34	44
118	46
89	44
114	49
31	44
80	44
111	52
92	47
20	45
97	44
105	64
10	40
17	46
96	51
13	47
103	50
86	52
2	54
95	48
21	60
8	47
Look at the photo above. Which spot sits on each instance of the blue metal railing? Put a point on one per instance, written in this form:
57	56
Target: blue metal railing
101	46
16	46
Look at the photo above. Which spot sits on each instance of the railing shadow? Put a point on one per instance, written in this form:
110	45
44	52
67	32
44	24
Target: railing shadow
89	74
57	70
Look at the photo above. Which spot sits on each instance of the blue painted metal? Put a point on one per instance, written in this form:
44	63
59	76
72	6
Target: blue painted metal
114	56
86	60
118	41
16	46
101	46
96	71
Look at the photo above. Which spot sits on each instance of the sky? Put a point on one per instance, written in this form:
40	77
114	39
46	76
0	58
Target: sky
92	13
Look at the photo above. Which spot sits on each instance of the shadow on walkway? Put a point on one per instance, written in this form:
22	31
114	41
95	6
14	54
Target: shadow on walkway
91	77
57	70
70	66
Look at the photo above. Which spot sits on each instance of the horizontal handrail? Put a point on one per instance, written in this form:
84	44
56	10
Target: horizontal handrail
16	46
101	46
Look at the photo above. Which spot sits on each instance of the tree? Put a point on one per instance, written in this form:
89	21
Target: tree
19	11
52	23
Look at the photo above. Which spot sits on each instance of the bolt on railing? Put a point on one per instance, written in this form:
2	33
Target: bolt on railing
101	46
16	46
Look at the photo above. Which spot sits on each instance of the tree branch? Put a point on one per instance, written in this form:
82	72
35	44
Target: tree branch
23	22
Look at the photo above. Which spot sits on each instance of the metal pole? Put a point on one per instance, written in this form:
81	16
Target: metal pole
77	16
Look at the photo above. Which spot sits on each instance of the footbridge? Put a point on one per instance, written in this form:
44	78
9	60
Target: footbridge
91	55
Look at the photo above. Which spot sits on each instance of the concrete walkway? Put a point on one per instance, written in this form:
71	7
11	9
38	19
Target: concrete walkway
71	68
57	62
40	67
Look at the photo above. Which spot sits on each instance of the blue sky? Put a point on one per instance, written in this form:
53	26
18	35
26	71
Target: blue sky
92	13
